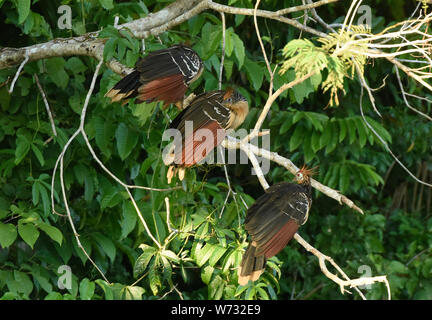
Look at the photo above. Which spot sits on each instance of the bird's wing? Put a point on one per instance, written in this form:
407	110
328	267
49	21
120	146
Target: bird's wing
275	217
162	75
202	127
176	60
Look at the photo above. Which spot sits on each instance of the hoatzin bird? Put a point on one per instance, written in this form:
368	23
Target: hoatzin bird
162	75
272	221
202	126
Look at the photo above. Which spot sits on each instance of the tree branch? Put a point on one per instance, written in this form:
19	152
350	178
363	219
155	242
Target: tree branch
153	24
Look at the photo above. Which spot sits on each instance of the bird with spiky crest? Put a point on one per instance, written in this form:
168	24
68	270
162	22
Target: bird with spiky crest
272	221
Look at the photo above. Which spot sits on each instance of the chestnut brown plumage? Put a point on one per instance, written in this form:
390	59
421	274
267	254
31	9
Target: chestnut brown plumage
202	126
162	75
272	221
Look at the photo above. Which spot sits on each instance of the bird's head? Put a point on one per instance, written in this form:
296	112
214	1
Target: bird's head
238	105
232	97
304	174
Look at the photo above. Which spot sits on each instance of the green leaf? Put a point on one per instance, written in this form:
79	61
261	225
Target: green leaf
53	296
307	149
108	290
254	72
106	244
315	141
154	278
129	219
22	148
75	65
38	154
86	289
170	255
317	119
133	293
5	98
56	71
35	192
351	130
326	135
228	69
8	234
250	293
361	130
229	42
286	125
109	32
206	274
23	283
297	138
143	111
204	254
167	269
54	233
316	81
332	144
302	90
344	178
216	288
126	140
380	130
195	24
144	259
218	252
103	134
109	49
28	233
298	115
23	7
211	39
107	4
239	49
43	281
343	129
88	188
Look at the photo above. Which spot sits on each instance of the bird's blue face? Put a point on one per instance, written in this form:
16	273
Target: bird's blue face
234	98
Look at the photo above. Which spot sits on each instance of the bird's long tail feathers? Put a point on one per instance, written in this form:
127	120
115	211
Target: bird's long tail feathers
169	89
126	88
251	266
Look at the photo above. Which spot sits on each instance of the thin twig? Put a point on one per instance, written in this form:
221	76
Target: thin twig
385	143
19	71
404	94
223	50
63	188
46	105
271	74
352	283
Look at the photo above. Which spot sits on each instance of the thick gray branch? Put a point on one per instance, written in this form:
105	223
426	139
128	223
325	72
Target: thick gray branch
153	24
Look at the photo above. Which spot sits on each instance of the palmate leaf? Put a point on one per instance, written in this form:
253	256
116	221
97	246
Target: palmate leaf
144	259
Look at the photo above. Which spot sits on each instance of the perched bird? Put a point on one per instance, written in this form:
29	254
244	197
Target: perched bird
272	221
202	126
162	75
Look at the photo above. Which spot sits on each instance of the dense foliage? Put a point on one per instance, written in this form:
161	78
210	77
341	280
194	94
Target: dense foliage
392	238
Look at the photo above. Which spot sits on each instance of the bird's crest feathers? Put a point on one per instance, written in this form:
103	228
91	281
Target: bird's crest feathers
304	174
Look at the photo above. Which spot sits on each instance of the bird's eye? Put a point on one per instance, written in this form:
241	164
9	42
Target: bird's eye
299	176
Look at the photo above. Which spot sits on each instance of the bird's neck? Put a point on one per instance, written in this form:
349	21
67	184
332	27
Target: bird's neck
308	188
239	112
